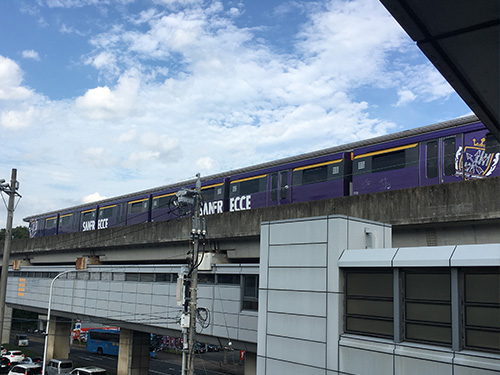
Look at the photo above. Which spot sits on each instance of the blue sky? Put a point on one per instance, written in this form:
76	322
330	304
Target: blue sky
100	98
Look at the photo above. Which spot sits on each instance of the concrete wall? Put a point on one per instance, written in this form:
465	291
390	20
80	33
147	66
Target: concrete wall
301	317
301	291
437	206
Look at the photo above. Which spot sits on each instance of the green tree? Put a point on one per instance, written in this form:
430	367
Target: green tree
17	232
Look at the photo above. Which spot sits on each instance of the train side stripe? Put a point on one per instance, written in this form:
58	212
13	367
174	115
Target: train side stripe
211	186
164	195
386	151
139	200
103	208
317	165
249	178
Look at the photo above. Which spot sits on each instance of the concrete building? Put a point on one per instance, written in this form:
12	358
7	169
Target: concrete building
335	298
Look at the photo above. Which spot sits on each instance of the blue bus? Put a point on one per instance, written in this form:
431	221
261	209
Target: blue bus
103	341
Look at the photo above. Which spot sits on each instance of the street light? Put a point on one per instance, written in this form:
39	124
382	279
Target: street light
48	314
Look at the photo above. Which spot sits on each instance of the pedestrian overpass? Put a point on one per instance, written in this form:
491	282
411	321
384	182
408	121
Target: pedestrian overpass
140	300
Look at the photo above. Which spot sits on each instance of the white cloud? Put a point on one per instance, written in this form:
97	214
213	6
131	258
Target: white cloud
103	103
405	97
206	164
11	78
93	198
18	119
31	54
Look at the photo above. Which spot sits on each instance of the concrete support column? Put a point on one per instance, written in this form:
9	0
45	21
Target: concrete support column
59	339
250	363
133	356
7	324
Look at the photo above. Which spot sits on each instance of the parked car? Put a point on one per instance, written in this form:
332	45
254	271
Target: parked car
22	340
200	347
15	356
59	366
26	369
213	348
5	365
91	370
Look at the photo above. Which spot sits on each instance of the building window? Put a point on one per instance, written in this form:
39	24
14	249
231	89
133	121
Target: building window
147	277
427	306
206	278
369	303
250	292
228	279
482	309
131	276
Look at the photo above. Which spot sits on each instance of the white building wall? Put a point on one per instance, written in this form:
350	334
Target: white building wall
300	326
300	293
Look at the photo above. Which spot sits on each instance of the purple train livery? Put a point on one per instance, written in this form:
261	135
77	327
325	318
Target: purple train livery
440	153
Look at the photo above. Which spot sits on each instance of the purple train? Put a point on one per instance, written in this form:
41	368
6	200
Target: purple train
441	153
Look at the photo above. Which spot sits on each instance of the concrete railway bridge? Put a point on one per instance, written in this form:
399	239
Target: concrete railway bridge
131	271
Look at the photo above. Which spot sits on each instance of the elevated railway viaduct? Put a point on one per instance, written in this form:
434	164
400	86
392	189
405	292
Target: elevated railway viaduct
463	212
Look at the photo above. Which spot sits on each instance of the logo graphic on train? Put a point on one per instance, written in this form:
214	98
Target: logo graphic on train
33	228
473	162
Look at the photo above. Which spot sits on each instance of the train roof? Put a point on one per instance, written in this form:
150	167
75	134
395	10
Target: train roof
331	150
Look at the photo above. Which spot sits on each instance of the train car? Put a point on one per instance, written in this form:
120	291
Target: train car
43	225
439	153
443	156
297	181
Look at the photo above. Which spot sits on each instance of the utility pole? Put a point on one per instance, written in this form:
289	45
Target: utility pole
190	280
10	190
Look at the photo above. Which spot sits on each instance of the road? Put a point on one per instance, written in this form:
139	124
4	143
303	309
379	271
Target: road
164	364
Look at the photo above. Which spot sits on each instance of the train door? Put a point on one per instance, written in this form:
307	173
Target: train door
278	188
438	160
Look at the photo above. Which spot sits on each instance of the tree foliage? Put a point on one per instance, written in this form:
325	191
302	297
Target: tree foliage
17	232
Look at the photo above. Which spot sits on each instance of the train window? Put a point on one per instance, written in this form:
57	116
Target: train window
137	207
427	306
107	212
389	161
432	159
361	164
313	175
369	302
284	185
248	186
65	220
162	201
88	215
449	156
274	186
335	170
482	309
212	193
50	223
